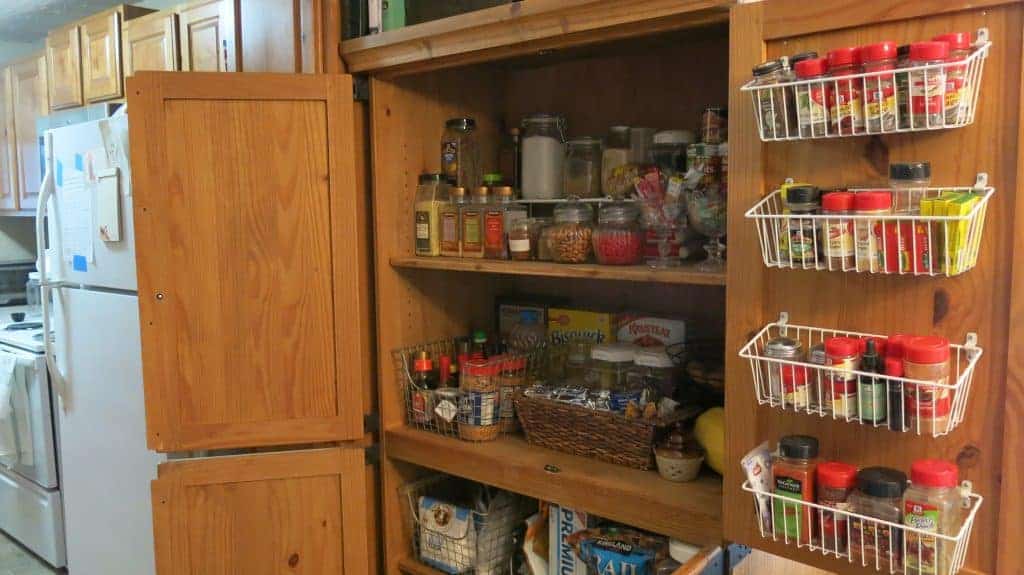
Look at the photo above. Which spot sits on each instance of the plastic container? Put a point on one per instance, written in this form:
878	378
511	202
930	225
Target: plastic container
668	150
880	90
583	168
801	201
543	153
836	482
928	86
843	354
956	76
879	494
450	213
812	99
836	236
472	224
931	503
570	237
781	348
909	181
495	219
868	232
617	237
609	366
772	104
615	154
519	244
927	358
460	155
431	194
653	369
846	106
793	477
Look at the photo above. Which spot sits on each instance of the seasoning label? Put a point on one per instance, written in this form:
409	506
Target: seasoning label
450	232
480	407
840	239
872	542
422	401
956	94
927	94
788	520
880	100
812	108
873	395
450	160
494	231
423	231
471	240
801	241
866	246
846	108
922	551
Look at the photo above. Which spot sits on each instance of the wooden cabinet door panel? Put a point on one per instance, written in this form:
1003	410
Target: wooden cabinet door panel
101	57
207	36
8	172
150	43
64	68
301	512
245	211
28	83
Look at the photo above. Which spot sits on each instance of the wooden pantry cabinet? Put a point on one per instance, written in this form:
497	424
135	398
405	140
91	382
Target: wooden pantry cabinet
8	145
208	36
275	284
64	67
29	102
150	43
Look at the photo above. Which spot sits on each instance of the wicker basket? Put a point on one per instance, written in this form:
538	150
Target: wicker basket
601	435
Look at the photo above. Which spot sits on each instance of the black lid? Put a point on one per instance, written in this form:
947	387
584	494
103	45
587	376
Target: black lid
799	446
903	51
803	195
767	67
461	123
910	171
430	178
882	482
801	57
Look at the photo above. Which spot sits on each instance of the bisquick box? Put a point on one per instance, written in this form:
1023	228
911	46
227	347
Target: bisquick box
567	325
563	522
649	331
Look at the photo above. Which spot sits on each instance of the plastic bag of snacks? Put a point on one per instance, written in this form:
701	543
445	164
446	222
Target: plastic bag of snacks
618	550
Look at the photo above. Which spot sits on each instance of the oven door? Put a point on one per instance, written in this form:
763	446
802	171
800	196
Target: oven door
27	444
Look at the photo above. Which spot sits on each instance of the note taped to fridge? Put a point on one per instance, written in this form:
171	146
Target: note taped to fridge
108	205
76	217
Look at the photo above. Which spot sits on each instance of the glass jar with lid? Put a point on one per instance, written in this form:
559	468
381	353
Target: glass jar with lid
616	154
771	102
653	369
543	153
569	238
668	150
540	238
460	156
583	167
879	495
617	238
609	366
931	503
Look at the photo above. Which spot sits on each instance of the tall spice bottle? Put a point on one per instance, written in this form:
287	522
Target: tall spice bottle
793	475
495	233
431	194
473	224
451	223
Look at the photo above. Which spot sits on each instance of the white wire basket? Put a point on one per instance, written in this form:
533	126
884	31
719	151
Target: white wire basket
896	403
905	242
873	543
879	102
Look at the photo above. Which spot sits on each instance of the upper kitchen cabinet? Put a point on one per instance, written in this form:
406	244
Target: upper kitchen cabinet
101	53
64	67
8	177
208	36
150	43
278	35
28	103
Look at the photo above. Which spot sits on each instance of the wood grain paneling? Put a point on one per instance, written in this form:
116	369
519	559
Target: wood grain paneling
270	35
150	43
208	36
28	97
250	313
976	301
101	57
64	67
298	512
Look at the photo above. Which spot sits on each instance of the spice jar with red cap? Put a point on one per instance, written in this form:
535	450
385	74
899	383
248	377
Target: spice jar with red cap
812	97
795	391
836	481
880	88
845	99
928	85
868	233
837	232
842	354
932	504
928	406
956	76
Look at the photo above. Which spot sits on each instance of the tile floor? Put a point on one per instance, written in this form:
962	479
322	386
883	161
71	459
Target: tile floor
15	560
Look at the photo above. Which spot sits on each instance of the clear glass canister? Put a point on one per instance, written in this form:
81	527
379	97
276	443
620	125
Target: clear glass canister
569	238
928	85
617	238
609	366
583	168
668	151
519	244
460	156
543	153
615	154
540	238
771	103
653	369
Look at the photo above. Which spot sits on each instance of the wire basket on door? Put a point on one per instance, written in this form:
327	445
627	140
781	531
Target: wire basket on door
908	99
931	232
461	527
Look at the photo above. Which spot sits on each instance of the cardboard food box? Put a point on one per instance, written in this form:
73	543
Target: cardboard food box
511	312
649	331
566	325
958	243
563	522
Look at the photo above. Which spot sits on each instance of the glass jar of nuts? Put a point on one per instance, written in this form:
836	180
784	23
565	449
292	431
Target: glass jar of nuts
569	238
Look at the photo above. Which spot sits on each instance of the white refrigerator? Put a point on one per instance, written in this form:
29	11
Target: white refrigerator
88	265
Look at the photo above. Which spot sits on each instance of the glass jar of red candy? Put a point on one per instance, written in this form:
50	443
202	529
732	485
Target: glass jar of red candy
617	239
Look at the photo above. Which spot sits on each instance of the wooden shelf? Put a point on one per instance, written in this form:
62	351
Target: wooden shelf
687	274
410	566
523	27
691	512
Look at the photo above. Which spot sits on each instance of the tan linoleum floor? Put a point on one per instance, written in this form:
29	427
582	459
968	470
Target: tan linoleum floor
15	560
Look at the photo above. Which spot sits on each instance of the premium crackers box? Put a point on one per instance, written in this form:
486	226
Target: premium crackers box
563	522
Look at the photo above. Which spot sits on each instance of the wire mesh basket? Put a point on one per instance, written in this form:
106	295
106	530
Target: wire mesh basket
478	407
874	543
897	403
931	232
461	527
907	99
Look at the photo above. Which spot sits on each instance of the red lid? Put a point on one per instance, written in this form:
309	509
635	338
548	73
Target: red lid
810	68
894	366
793	376
940	408
445	368
422	365
926	51
843	57
926	349
836	201
872	200
842	346
956	40
879	51
895	345
933	473
480	368
836	474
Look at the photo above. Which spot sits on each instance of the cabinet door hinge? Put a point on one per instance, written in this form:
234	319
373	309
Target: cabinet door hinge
371	422
371	454
360	88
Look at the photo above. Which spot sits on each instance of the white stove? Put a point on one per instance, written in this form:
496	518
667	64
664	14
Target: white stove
22	327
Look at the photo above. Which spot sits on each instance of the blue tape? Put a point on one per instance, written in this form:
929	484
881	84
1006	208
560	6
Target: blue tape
79	163
60	173
79	264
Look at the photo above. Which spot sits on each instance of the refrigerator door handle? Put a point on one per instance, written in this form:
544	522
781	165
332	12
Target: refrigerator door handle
46	287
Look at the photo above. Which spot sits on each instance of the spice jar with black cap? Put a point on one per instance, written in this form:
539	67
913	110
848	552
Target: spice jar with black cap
879	495
802	201
793	475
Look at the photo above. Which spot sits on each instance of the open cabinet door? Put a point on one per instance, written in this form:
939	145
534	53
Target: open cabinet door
298	512
247	243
